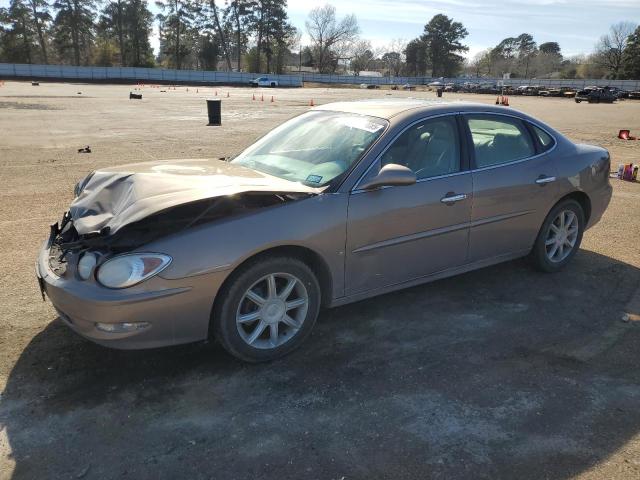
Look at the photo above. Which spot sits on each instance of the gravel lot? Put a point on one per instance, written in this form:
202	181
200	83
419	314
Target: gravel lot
499	373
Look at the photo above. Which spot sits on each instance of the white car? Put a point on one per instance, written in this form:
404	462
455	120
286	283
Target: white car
263	82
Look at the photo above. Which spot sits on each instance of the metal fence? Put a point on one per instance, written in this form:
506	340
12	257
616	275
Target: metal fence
161	75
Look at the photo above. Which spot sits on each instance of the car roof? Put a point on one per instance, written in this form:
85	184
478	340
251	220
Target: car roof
389	108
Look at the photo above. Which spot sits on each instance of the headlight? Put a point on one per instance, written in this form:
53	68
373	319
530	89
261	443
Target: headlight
86	265
127	270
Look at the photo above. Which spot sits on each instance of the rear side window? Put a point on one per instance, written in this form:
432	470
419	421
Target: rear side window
499	139
546	140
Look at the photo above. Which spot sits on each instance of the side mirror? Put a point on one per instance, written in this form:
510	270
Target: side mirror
390	175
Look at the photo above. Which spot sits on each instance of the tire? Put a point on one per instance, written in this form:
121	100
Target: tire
542	255
235	336
578	101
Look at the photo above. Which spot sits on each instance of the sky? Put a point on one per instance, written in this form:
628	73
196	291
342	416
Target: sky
575	24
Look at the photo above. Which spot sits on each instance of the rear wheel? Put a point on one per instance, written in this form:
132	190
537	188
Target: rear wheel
560	236
267	310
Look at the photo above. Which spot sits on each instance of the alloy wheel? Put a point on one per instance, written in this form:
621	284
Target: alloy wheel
272	311
562	236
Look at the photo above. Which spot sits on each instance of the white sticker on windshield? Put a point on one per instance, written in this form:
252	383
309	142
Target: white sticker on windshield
361	124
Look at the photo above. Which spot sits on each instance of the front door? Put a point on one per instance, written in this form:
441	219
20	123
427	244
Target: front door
397	234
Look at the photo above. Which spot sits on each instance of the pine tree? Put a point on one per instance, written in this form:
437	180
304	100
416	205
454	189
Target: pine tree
631	56
175	21
237	16
74	28
442	37
19	34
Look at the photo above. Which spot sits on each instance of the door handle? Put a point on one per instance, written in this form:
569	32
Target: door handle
543	180
454	198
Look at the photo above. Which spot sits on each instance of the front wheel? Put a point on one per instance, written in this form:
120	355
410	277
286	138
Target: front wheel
560	236
267	310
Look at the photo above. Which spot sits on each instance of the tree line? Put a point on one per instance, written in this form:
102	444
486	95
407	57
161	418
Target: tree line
616	56
257	36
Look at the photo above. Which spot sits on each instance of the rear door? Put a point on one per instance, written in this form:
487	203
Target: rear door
397	234
513	184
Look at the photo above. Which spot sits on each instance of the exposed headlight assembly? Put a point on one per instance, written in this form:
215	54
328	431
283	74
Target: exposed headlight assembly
130	269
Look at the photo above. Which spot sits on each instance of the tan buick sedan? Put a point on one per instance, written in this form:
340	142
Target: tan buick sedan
343	202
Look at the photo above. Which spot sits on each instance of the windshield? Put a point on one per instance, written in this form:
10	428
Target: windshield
314	148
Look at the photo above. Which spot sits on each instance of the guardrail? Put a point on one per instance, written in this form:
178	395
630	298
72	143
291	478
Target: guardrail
162	75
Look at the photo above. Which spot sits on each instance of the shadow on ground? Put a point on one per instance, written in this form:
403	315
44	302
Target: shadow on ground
499	373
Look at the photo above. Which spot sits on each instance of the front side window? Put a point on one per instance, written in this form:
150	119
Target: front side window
430	148
313	148
499	139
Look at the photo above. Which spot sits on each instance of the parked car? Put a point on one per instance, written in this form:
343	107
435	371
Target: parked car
263	82
595	95
532	90
346	201
616	92
551	92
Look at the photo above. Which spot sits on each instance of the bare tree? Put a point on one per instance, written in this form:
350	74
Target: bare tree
329	36
394	56
610	47
362	55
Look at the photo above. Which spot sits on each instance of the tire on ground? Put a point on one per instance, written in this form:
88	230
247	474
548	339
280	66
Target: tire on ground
538	254
223	320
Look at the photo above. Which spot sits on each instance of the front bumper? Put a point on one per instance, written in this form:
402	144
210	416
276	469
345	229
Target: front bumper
177	311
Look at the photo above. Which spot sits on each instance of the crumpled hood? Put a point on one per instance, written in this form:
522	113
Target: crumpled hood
114	197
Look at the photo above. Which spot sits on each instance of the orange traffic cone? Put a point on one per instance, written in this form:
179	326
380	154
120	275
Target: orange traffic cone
254	97
311	104
505	101
262	97
197	90
227	94
216	94
498	100
271	98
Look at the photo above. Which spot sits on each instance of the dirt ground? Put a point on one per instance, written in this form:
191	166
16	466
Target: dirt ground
498	373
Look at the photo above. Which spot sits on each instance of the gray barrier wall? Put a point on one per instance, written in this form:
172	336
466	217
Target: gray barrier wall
150	75
146	75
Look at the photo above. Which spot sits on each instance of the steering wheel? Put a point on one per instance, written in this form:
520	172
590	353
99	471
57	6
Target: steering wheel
437	162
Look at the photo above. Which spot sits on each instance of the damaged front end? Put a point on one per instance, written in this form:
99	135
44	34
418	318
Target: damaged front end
65	241
117	210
